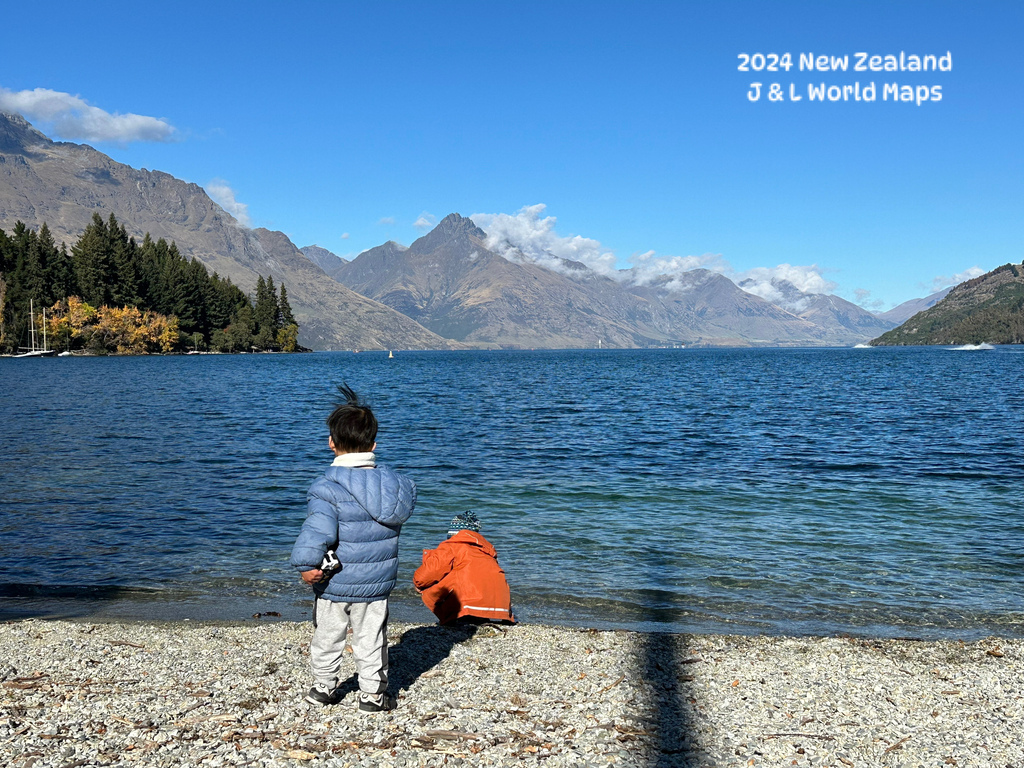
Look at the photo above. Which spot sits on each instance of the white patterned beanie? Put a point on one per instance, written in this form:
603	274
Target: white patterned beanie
467	521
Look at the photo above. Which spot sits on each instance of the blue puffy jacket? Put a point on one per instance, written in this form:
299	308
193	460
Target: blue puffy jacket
358	513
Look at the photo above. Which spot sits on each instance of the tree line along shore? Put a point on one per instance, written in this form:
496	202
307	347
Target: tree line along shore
109	294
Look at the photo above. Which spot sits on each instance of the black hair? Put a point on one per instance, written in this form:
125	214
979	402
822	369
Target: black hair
352	424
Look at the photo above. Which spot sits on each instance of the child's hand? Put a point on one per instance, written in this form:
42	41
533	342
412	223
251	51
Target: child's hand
313	576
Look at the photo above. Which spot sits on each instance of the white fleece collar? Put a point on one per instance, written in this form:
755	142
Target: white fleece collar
354	460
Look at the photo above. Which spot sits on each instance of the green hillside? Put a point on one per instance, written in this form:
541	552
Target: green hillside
988	309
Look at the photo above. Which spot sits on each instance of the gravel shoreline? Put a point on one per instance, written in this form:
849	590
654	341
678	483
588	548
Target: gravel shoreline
190	694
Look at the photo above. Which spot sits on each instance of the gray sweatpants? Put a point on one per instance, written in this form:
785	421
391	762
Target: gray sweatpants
369	622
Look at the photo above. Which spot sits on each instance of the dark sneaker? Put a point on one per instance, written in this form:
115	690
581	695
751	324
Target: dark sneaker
322	695
381	703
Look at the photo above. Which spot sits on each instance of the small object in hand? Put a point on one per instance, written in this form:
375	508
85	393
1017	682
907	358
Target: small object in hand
330	563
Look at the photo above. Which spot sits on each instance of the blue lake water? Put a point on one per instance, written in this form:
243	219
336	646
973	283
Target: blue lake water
868	491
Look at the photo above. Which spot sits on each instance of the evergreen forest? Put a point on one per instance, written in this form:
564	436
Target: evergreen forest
111	295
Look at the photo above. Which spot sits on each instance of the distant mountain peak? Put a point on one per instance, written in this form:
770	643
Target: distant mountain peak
17	133
455	224
323	258
455	220
452	227
903	312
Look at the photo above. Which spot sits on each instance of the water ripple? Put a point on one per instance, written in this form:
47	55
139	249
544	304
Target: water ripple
740	490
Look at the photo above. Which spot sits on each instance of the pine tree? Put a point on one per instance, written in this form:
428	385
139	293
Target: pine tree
226	299
26	284
3	307
265	307
124	260
30	272
264	310
261	295
6	254
148	272
158	267
93	271
287	318
187	292
60	269
8	314
200	281
266	314
272	295
239	333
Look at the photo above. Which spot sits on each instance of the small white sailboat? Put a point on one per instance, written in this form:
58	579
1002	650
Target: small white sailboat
34	351
391	355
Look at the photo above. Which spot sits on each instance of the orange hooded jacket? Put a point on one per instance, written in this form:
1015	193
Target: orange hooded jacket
462	578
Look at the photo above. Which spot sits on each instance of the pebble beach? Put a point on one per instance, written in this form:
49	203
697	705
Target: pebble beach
205	694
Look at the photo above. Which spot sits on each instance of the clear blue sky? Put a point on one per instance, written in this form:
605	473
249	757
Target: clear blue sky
630	122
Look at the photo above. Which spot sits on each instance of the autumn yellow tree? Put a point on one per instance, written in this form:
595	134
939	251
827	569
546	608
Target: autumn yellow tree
68	320
128	331
288	338
117	330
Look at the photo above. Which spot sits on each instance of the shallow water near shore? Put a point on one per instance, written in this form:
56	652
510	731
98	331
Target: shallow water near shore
866	491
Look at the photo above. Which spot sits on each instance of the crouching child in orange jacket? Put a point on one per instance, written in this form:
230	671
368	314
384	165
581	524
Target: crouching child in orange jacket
461	579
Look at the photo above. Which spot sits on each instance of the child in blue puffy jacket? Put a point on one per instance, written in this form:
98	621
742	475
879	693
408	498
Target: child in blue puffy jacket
356	509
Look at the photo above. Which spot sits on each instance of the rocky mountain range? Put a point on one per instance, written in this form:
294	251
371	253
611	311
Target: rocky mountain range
447	290
449	281
452	283
63	184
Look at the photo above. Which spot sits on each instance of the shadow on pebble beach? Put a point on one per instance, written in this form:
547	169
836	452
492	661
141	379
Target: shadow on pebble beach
420	649
663	665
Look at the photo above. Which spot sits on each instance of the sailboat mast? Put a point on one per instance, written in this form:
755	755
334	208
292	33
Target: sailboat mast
32	324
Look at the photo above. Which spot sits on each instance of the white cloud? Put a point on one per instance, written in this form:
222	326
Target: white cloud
807	279
224	196
767	282
71	117
345	235
944	281
387	221
425	221
648	267
529	236
525	236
